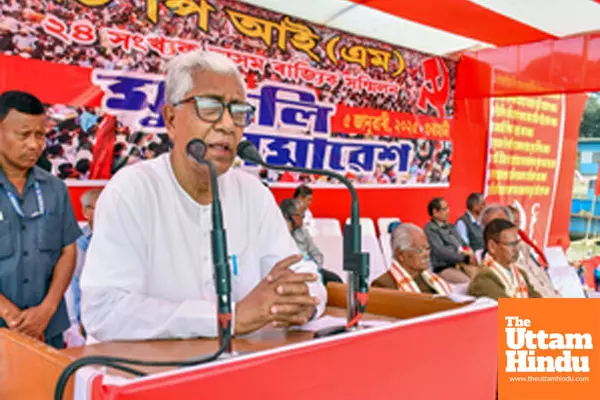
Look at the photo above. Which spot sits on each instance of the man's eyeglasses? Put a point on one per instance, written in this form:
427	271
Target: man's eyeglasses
419	251
211	109
516	243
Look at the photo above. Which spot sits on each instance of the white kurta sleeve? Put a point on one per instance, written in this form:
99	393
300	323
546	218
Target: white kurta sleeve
277	243
114	303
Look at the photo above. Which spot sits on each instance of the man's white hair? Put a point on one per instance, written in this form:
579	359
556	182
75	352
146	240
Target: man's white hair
402	236
488	211
180	69
89	196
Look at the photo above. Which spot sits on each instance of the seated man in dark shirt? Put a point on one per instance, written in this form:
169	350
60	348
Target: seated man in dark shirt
451	258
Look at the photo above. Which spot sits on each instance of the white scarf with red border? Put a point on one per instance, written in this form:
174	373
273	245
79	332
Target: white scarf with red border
406	283
515	285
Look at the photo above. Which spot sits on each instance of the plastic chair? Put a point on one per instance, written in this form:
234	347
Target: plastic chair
327	227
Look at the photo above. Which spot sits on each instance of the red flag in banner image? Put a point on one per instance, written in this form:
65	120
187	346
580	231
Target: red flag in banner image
103	149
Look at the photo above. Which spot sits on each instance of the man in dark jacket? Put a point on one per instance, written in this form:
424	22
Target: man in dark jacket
451	258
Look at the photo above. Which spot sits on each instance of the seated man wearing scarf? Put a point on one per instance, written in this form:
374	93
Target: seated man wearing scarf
501	276
410	269
533	261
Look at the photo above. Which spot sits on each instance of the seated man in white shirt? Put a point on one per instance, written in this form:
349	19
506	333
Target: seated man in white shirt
149	272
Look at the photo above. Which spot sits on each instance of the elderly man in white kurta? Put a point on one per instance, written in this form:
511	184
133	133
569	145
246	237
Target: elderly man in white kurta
149	272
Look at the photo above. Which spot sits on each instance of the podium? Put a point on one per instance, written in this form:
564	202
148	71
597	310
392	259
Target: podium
435	348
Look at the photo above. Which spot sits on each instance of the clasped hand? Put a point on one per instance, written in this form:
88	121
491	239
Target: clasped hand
32	321
282	298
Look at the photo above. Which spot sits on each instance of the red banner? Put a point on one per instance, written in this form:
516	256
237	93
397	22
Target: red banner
525	149
104	57
368	121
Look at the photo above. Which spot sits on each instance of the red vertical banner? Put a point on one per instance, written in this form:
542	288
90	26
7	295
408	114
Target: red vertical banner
525	148
101	167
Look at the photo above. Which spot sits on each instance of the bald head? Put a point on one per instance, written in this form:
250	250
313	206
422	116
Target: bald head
494	211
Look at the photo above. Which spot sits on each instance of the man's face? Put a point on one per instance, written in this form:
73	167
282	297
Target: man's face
479	206
221	137
443	213
298	219
22	138
506	250
417	257
306	200
302	206
88	212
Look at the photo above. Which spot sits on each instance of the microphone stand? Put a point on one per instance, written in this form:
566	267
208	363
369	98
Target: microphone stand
219	254
221	263
356	263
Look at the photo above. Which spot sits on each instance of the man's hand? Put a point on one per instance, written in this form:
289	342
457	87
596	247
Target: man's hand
34	321
13	318
282	297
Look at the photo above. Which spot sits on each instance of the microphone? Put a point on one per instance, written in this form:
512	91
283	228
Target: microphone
196	150
356	263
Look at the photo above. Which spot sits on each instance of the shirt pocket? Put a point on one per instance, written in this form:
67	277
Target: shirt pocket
238	252
50	233
7	240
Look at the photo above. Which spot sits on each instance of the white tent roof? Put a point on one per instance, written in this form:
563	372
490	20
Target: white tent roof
443	27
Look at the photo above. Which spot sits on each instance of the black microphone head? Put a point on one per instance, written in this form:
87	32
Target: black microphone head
248	152
196	149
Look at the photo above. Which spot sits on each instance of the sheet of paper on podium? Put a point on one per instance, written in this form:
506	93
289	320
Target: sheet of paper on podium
456	297
327	321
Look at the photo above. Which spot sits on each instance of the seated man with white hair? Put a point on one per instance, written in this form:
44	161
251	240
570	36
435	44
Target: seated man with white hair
149	271
490	213
494	211
410	269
